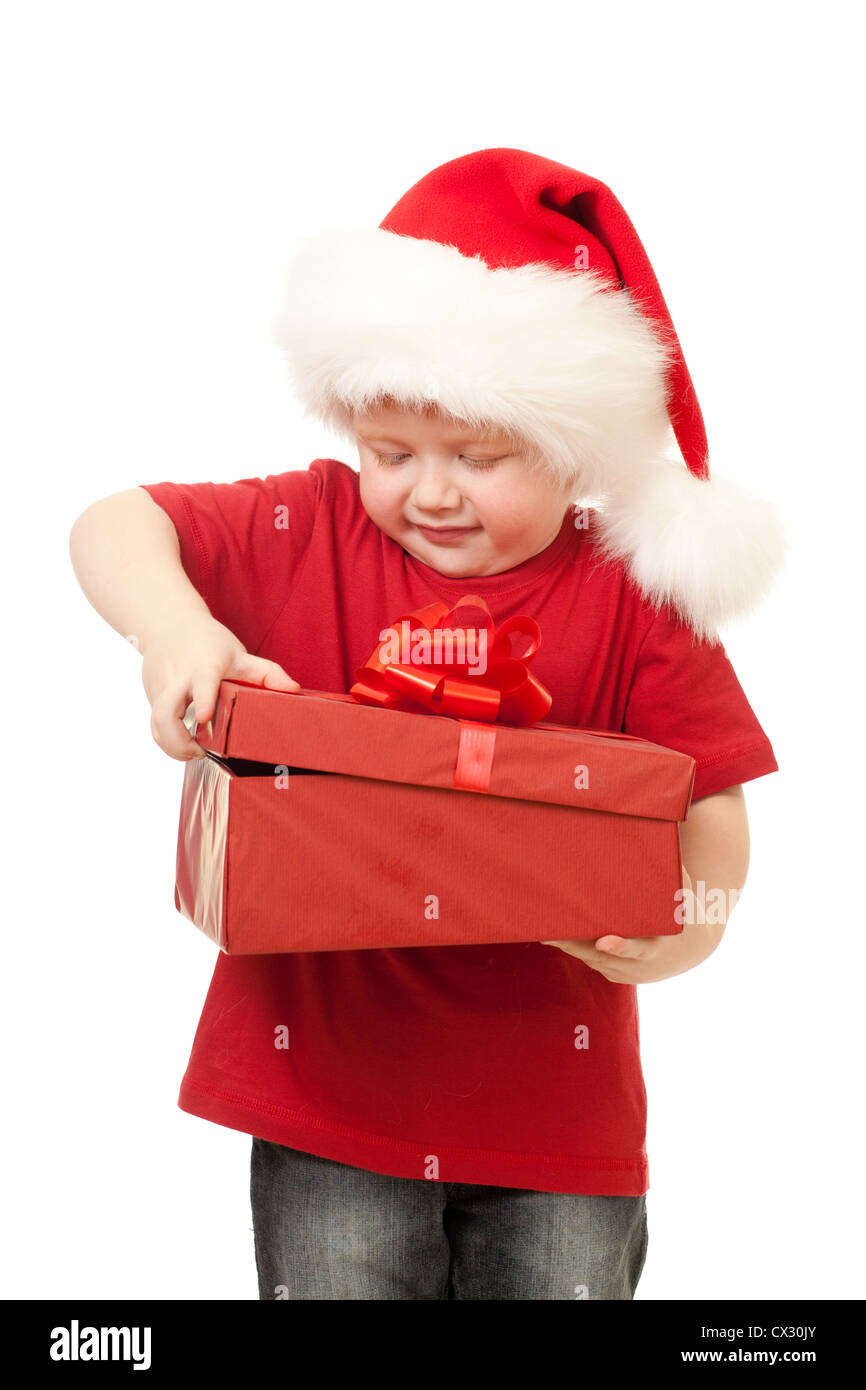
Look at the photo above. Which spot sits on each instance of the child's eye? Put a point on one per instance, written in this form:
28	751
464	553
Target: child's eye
474	463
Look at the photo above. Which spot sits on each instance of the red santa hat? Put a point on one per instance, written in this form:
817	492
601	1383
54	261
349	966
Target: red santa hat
511	290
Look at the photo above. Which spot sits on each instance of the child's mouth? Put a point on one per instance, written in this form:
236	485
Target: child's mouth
446	535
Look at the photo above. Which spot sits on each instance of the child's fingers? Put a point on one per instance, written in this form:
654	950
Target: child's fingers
172	714
265	673
168	728
626	947
206	682
605	948
205	687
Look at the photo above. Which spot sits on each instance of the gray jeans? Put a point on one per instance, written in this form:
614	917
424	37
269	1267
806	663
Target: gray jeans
325	1230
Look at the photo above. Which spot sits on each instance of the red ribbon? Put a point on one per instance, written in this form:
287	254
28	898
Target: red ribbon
505	691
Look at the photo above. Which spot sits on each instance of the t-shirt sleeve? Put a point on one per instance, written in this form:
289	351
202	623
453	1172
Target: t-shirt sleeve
242	544
685	695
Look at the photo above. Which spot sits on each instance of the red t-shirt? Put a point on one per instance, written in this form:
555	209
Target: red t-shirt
458	1061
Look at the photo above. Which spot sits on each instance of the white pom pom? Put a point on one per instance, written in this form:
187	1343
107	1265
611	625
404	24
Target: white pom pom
708	547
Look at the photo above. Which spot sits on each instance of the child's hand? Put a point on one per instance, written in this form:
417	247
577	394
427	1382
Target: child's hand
632	960
186	660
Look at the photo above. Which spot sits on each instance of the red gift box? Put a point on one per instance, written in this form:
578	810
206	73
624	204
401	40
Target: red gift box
317	823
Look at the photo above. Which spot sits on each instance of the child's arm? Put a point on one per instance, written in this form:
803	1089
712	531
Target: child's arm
126	556
715	848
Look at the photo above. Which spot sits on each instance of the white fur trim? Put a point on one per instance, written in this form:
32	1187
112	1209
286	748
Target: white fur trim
559	358
709	548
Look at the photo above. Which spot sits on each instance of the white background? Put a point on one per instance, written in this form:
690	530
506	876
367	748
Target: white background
158	162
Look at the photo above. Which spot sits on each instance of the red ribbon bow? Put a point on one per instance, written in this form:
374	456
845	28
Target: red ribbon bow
429	658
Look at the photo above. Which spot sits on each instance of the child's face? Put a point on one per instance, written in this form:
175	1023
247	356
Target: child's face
422	470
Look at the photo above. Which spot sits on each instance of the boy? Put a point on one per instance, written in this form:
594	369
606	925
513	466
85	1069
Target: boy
433	1131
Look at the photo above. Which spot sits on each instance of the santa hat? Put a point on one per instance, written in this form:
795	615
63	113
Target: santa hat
511	290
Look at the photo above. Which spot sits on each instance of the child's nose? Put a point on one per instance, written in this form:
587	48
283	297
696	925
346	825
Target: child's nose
434	490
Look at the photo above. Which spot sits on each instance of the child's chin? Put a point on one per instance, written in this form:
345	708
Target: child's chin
445	560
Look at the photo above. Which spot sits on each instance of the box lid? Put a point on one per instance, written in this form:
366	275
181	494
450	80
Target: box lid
333	732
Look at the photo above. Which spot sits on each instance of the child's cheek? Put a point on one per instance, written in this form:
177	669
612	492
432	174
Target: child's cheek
370	494
381	505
